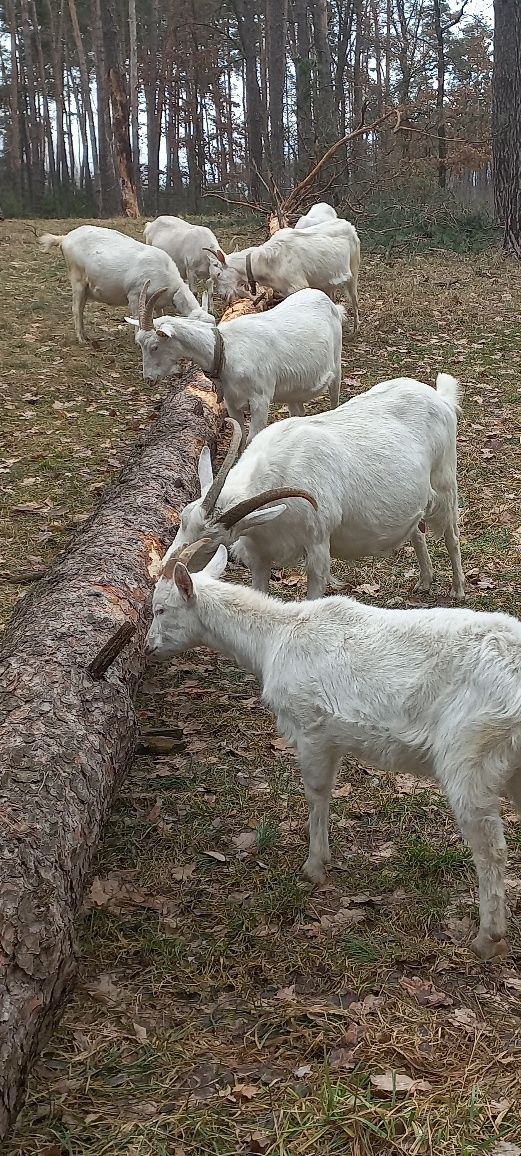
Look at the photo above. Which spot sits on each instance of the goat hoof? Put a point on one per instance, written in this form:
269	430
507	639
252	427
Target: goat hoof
487	947
422	588
314	872
457	595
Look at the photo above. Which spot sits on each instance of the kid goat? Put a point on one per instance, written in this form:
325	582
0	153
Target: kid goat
435	691
289	355
108	266
376	467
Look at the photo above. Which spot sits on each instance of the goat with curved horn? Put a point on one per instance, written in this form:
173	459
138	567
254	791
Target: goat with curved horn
235	514
212	494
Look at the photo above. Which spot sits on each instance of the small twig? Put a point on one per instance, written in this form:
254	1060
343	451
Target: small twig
110	651
23	578
251	205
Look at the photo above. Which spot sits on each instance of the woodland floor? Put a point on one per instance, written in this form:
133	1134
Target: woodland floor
222	1007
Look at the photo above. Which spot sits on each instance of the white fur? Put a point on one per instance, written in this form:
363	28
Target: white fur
435	692
185	243
108	266
324	256
377	466
317	213
288	355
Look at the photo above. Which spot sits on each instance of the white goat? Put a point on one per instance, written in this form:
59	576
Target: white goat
288	355
110	267
186	244
435	692
319	212
376	468
320	257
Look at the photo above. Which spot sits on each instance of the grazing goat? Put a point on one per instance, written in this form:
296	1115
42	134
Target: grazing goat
435	692
289	355
376	467
186	244
317	213
323	257
110	267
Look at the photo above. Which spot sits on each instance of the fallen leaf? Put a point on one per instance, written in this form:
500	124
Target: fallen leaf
218	855
395	1082
154	813
140	1032
424	992
245	840
341	1060
353	1035
182	873
286	993
258	1143
370	1004
280	744
367	588
455	930
343	791
103	988
504	1148
466	1018
303	1070
245	1091
498	1109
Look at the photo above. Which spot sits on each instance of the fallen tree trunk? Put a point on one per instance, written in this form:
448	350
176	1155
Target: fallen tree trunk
66	738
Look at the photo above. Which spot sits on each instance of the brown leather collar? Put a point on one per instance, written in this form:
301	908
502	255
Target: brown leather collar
251	279
218	353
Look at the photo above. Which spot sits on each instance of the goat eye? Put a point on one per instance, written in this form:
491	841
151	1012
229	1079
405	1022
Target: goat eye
160	611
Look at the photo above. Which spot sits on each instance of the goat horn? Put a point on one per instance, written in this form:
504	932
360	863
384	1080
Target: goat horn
142	305
236	513
183	554
210	498
148	312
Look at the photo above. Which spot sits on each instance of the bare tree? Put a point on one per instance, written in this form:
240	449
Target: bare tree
506	125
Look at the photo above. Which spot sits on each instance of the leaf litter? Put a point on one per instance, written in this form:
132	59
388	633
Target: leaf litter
170	1033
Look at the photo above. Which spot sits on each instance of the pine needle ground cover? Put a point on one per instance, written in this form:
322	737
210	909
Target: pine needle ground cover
222	1006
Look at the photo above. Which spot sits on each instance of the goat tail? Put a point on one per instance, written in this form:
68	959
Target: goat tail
341	312
47	240
146	231
449	388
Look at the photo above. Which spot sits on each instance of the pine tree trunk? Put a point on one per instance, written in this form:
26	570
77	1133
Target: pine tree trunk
276	19
302	65
67	738
110	199
117	88
87	103
326	123
15	150
506	120
134	94
249	39
36	159
46	125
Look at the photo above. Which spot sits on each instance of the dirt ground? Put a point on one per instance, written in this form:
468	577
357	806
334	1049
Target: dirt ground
222	1007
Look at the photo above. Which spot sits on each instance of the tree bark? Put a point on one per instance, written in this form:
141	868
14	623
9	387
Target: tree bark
276	19
326	127
302	65
134	94
117	88
249	39
15	151
87	103
506	126
36	165
65	739
110	200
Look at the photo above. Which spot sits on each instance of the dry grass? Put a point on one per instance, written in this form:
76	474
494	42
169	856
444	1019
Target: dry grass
222	1007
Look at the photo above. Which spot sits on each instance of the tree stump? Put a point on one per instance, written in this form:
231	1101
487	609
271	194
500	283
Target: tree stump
66	738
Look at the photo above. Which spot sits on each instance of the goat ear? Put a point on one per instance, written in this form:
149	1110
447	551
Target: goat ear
204	469
217	565
258	518
220	256
132	321
164	328
183	582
